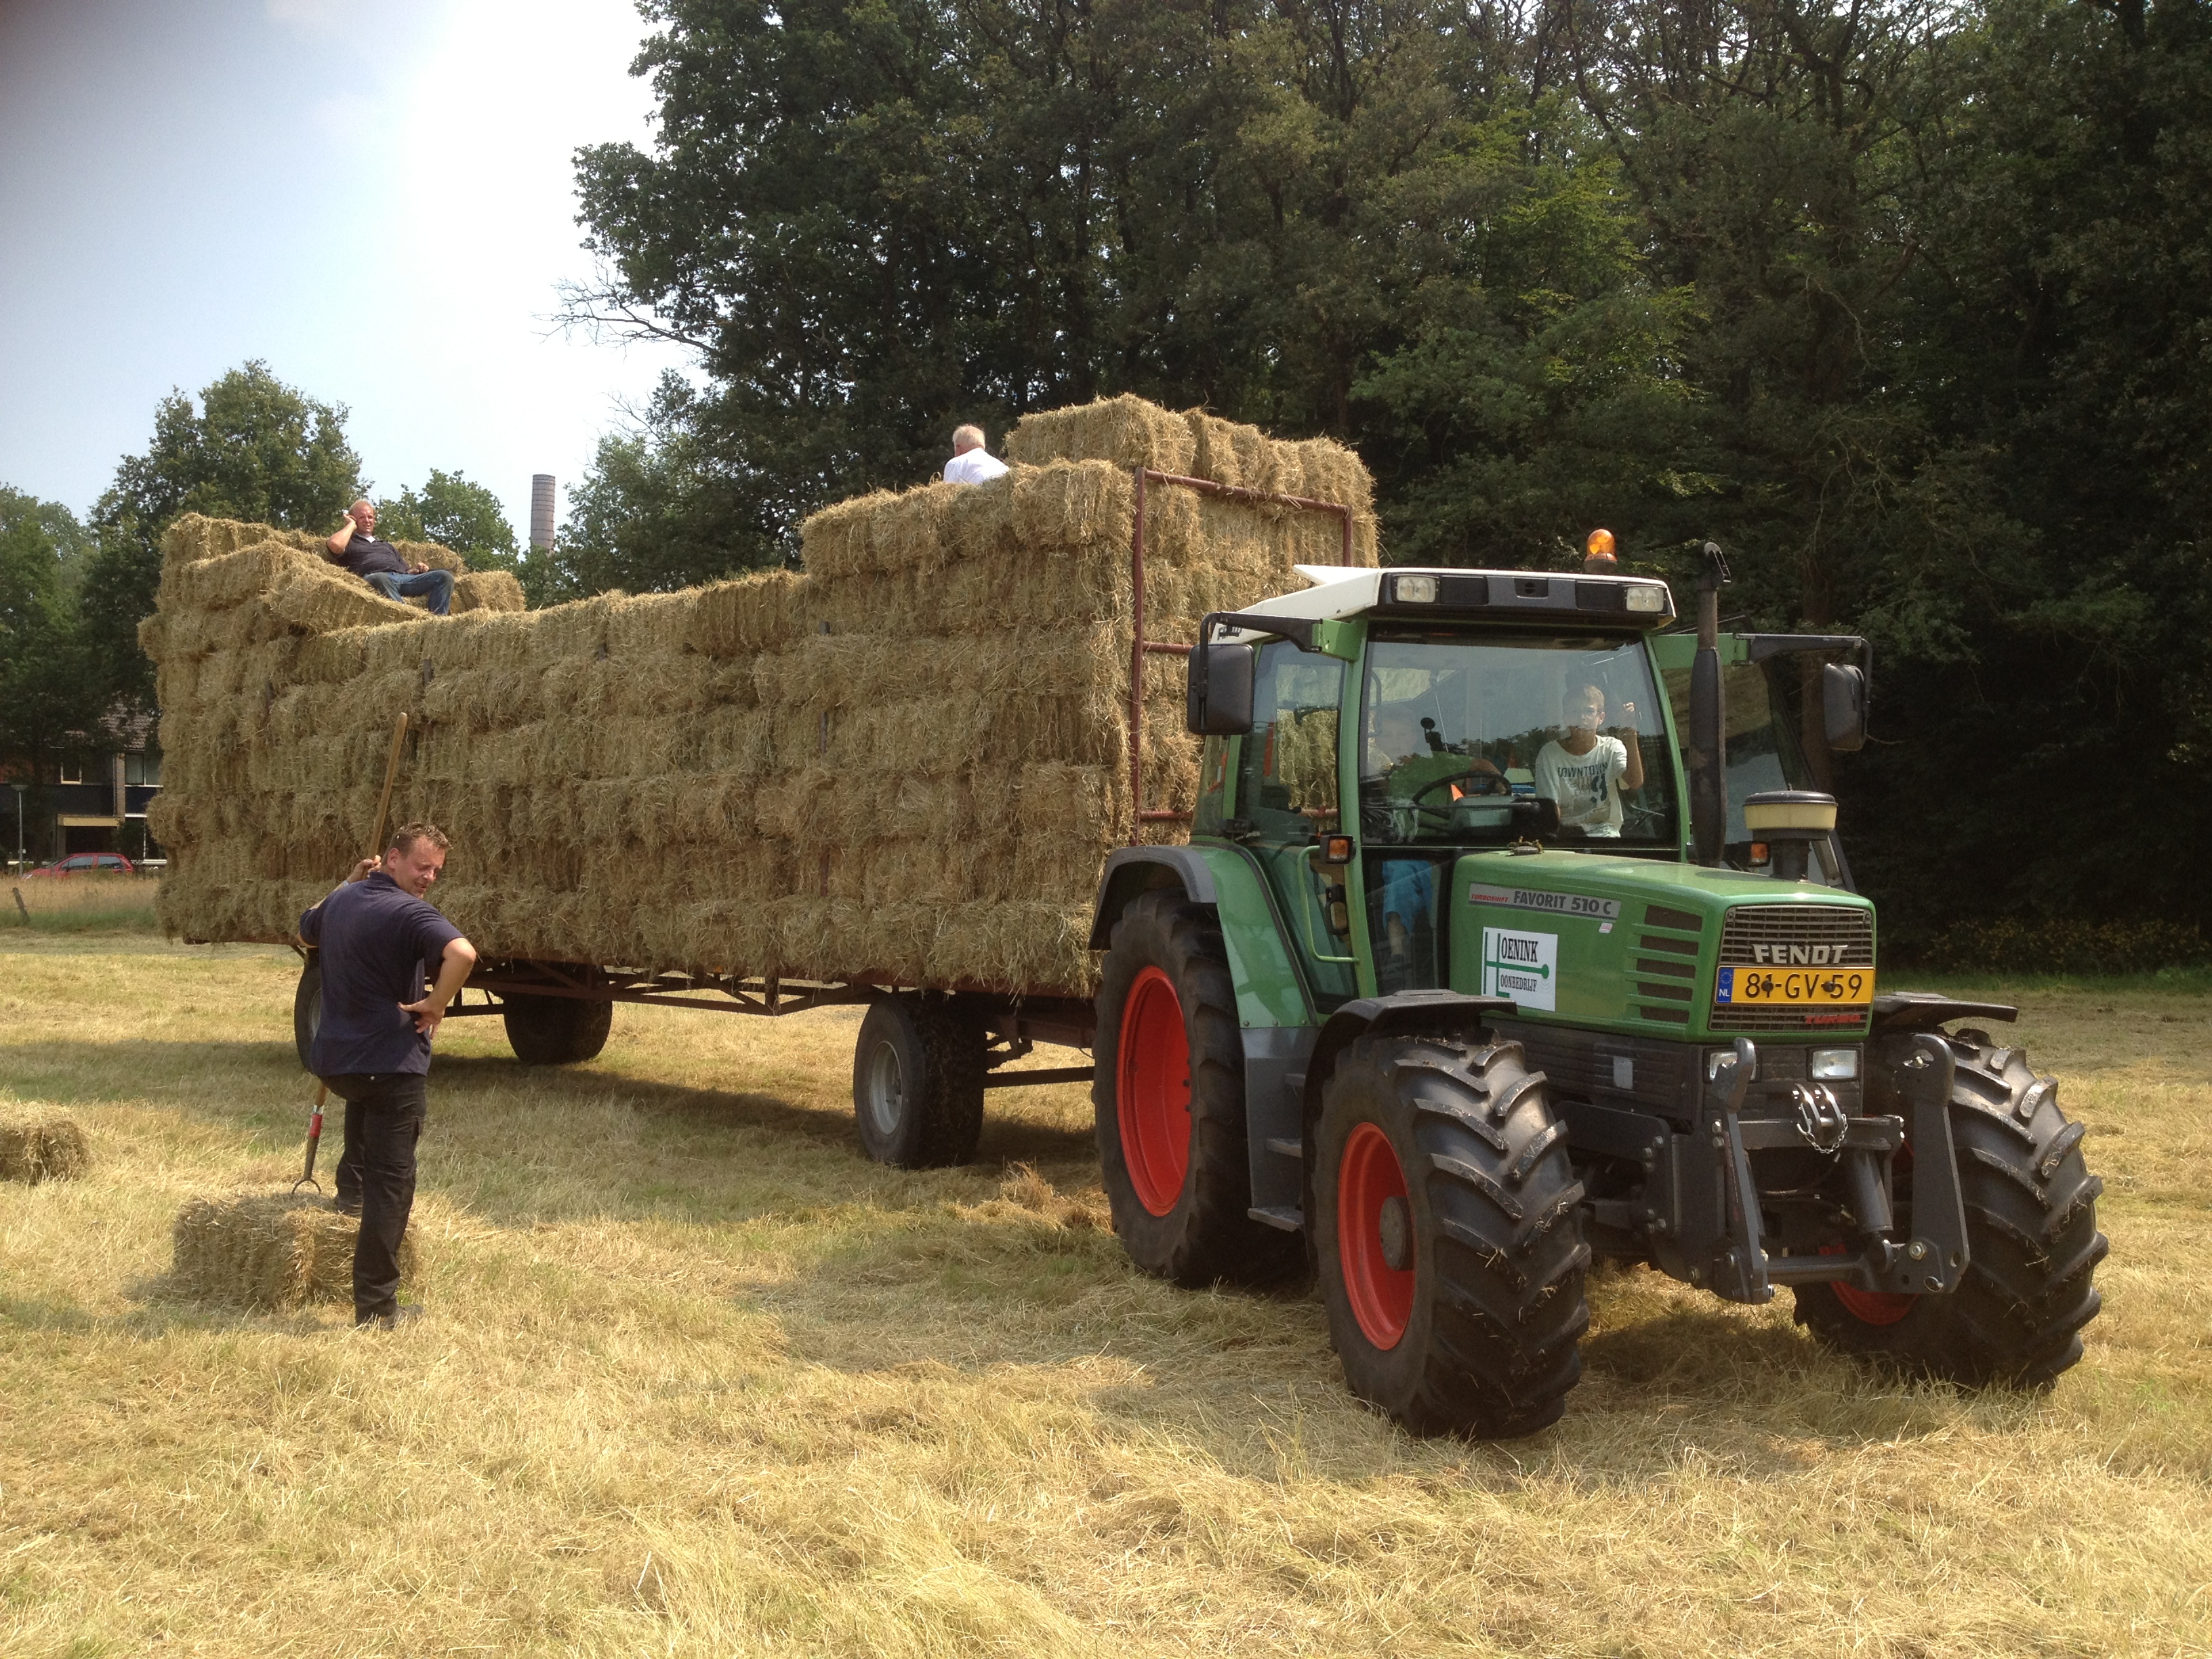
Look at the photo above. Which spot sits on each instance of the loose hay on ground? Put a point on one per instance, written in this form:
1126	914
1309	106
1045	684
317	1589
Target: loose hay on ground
42	1146
269	1250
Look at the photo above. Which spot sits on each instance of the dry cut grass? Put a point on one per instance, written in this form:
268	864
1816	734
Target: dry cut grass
697	1380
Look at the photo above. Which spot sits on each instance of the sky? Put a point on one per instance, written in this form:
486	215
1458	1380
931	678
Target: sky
374	197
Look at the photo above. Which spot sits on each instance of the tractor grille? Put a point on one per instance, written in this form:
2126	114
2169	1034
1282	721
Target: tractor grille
1799	936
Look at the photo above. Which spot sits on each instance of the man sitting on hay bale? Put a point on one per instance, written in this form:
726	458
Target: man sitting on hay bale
353	544
376	935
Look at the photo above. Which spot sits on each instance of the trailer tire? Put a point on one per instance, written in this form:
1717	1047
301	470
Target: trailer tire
1168	1096
307	1009
1446	1232
918	1083
557	1030
2032	1245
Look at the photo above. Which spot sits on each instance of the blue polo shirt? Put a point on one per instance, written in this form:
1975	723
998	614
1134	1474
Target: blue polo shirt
377	940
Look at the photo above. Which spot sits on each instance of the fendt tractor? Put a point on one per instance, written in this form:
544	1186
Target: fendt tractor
1493	951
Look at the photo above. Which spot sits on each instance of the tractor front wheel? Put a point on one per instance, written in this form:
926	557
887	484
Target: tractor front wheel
1169	1097
918	1082
2032	1239
1446	1228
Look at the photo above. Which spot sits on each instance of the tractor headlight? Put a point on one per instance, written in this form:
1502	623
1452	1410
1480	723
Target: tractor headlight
1414	590
1834	1065
1649	598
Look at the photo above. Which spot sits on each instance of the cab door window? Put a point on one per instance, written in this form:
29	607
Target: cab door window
1287	798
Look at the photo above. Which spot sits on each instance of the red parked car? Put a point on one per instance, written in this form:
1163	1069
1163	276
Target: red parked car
85	864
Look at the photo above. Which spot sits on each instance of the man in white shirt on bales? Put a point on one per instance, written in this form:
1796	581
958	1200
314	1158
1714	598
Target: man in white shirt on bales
1585	771
971	463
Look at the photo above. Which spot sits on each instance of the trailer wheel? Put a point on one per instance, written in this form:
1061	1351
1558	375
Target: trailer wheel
557	1030
307	1009
2032	1239
918	1083
1169	1097
1446	1232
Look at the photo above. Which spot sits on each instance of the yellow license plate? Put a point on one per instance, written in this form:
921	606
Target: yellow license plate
1795	987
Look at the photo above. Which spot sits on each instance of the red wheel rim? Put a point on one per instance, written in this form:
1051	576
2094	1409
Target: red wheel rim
1870	1307
1368	1175
1152	1096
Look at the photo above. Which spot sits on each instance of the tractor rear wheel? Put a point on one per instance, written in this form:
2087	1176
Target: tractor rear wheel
2032	1239
918	1082
1169	1095
557	1030
1446	1228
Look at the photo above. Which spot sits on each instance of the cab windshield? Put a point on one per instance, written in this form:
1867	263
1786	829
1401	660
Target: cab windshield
1453	728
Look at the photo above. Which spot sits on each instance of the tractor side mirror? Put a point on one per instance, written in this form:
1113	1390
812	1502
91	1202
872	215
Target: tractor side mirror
1844	704
1219	701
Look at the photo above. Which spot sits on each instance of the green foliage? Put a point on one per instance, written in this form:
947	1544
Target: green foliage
661	509
45	688
2013	945
453	512
253	448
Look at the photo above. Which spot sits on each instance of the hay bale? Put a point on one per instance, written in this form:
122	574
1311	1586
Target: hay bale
909	759
41	1146
270	1250
487	590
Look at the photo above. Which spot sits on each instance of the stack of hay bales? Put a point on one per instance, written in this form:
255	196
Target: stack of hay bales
270	1250
38	1146
907	764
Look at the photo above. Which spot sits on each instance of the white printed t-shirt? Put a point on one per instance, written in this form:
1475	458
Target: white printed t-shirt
1585	785
974	466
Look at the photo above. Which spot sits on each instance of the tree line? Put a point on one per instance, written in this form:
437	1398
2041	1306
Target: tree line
1904	304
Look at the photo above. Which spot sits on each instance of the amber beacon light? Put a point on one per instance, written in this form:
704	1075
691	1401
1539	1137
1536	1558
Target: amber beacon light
1599	556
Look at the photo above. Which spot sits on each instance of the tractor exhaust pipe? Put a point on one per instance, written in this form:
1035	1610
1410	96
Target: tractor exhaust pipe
1708	744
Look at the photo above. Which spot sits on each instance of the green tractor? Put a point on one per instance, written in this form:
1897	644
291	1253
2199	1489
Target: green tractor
1508	938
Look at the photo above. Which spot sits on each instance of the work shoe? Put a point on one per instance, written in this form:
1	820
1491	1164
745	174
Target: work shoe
346	1205
406	1314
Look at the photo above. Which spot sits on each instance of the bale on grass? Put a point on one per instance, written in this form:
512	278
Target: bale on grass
47	1146
270	1250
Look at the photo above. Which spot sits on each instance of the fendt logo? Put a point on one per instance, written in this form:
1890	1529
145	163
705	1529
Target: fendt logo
1799	956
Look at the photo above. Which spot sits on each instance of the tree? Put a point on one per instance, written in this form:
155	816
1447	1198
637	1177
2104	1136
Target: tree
453	512
659	509
254	448
874	220
46	691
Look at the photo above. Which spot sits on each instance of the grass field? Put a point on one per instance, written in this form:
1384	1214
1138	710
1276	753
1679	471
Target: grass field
79	904
697	1380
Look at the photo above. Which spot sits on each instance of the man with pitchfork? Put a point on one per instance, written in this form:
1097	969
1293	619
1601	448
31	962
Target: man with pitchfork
378	940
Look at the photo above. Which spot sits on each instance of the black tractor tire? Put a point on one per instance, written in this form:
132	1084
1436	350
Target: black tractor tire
2032	1240
918	1082
1460	1313
307	1009
1168	1096
557	1030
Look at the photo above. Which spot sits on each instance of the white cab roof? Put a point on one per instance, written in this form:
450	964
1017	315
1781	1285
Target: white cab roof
1340	590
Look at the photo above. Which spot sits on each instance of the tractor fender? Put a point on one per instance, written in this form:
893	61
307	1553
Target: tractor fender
1133	869
1405	1011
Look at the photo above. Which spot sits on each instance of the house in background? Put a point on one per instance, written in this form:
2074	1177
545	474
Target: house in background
89	794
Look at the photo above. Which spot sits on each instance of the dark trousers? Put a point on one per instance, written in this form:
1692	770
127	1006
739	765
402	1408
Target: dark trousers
383	1120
